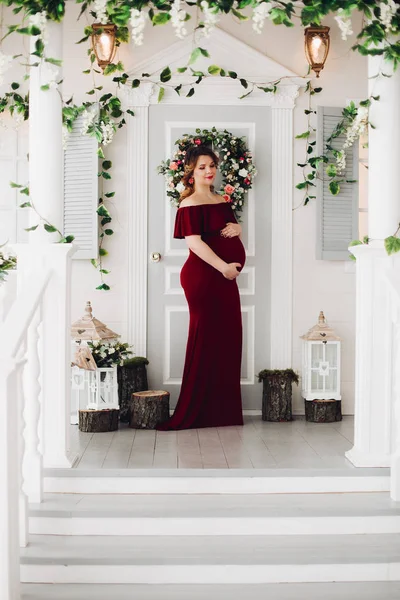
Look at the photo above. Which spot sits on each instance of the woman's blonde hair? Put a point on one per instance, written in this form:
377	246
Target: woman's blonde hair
191	158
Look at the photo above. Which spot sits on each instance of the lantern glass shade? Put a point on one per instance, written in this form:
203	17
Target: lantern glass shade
103	43
321	370
102	389
317	43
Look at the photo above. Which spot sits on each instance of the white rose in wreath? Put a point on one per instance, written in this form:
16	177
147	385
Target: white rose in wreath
180	187
243	173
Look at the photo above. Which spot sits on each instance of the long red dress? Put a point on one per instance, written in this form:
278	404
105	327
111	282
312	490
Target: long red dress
210	393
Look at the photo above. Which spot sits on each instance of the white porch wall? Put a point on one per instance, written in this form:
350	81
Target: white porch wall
317	285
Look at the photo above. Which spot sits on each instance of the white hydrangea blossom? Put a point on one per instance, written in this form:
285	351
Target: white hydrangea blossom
387	12
211	17
88	117
5	63
344	22
39	19
107	130
178	16
99	7
260	13
357	128
138	23
49	75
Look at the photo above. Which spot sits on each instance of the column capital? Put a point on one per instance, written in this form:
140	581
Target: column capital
136	97
284	97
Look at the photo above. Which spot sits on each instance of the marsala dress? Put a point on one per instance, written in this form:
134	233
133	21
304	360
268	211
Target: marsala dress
210	393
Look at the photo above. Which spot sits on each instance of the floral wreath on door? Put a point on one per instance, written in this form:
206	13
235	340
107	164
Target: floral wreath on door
236	165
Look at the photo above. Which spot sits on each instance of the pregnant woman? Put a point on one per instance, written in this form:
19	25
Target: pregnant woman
210	393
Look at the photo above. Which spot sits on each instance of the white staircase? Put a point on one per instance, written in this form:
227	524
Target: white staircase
162	540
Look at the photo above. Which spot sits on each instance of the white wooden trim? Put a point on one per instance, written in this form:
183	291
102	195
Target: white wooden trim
281	238
137	191
251	338
167	379
214	92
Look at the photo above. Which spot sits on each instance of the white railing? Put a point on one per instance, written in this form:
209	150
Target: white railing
19	391
393	281
34	395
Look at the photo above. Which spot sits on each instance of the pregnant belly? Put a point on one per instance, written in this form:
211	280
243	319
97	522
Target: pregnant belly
229	249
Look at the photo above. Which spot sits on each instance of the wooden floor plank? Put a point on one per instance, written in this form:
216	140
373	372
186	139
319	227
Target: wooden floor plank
257	444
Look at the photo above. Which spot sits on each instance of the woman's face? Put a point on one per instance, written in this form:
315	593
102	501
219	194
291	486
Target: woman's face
205	170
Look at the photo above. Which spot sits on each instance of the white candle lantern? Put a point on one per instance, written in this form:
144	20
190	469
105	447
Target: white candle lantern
321	362
93	388
102	389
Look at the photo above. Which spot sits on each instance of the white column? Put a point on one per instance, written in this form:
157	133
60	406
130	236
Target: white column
373	441
373	383
45	139
383	152
393	281
137	191
281	237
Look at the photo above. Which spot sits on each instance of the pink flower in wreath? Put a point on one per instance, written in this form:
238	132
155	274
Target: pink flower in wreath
227	198
229	189
247	181
173	166
197	142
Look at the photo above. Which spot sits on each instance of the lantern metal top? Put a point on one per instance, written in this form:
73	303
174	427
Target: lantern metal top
321	332
90	328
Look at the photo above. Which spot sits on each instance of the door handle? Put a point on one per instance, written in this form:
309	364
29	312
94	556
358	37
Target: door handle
155	257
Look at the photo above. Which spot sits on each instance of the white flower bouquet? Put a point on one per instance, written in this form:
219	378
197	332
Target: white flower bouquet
109	354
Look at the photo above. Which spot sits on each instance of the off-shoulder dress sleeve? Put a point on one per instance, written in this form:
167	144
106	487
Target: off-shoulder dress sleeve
189	221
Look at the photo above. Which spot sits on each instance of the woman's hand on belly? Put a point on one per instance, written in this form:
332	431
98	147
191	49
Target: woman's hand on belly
231	270
231	230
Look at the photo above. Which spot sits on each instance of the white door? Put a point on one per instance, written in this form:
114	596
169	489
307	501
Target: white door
167	308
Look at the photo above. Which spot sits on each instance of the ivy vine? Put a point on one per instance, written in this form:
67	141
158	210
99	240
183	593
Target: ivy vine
379	36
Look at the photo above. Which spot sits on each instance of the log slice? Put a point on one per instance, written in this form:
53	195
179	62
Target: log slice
98	421
149	408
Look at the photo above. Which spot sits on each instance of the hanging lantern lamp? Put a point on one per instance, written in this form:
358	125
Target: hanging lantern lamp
103	43
316	44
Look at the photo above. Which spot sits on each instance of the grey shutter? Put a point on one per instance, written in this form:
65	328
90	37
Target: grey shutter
337	216
81	191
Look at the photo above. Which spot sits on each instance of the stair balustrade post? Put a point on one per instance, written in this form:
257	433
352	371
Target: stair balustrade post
32	466
23	513
9	482
395	466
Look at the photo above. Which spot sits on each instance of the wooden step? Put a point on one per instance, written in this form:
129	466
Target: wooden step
215	481
389	590
215	514
211	559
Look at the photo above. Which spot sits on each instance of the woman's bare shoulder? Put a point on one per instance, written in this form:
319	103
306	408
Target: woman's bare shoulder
190	201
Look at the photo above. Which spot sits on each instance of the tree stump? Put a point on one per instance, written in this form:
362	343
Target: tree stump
149	408
277	400
132	377
323	411
98	421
